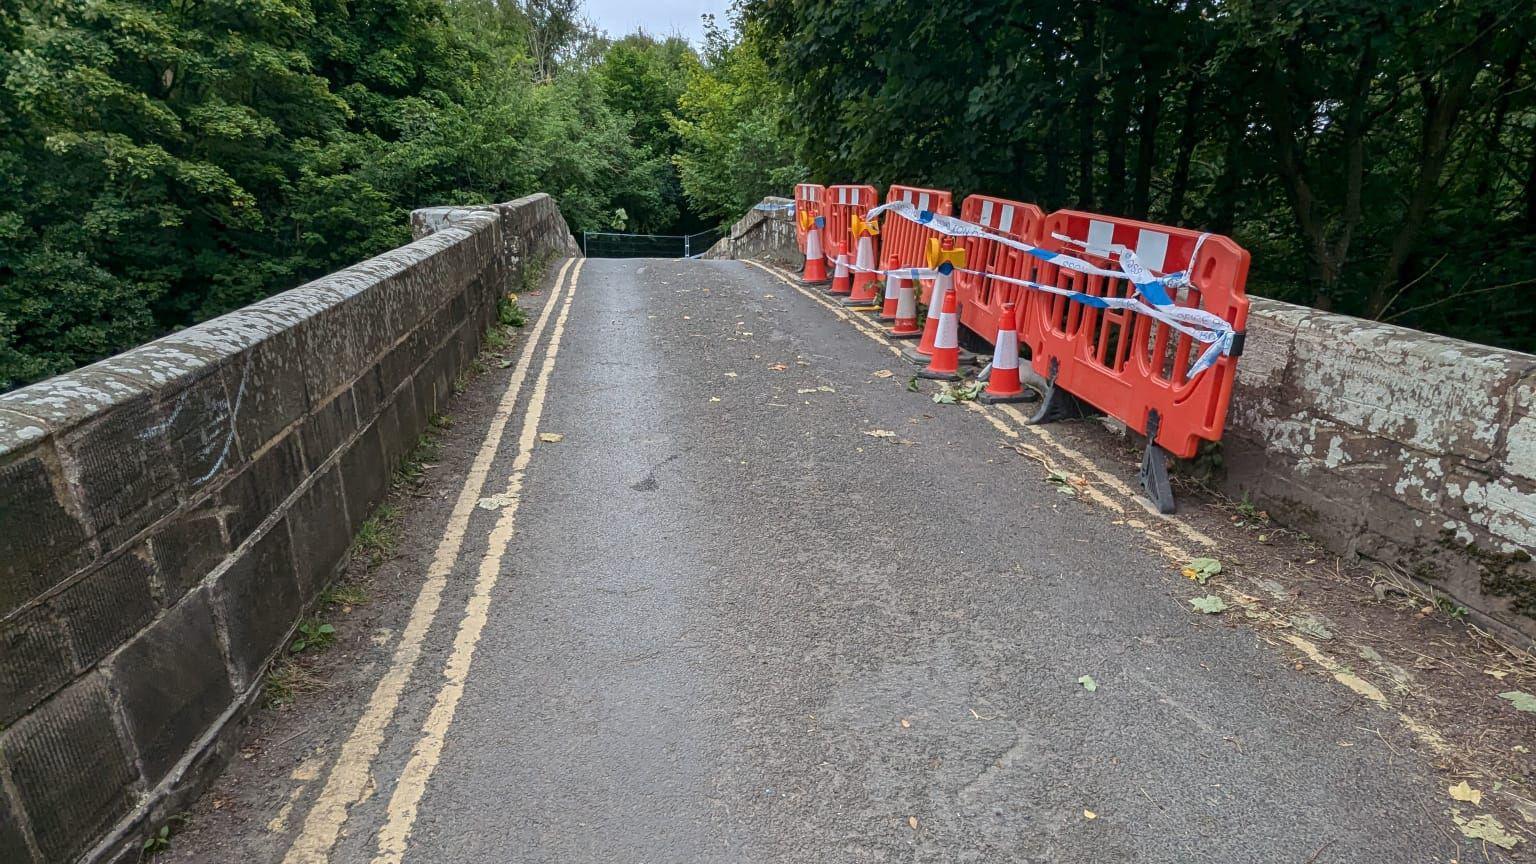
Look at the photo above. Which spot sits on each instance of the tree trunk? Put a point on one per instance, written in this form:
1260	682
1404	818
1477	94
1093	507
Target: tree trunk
1118	129
1086	107
1442	110
1055	185
1146	145
1194	103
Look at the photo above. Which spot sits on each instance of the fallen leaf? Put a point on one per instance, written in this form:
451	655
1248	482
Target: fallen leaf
1210	604
1201	569
806	390
746	332
1497	673
551	437
1088	683
767	296
1521	700
879	433
1463	792
912	383
882	373
730	374
687	318
1484	827
778	367
912	821
494	502
905	723
1090	815
714	398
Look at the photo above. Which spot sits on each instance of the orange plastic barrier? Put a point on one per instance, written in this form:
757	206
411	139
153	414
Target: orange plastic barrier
842	202
982	298
808	200
907	239
1126	364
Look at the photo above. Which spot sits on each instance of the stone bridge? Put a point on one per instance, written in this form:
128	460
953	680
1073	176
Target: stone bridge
683	569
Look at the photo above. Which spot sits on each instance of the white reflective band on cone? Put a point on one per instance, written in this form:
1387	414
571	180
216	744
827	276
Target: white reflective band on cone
948	335
813	243
906	301
891	291
866	260
1006	354
842	266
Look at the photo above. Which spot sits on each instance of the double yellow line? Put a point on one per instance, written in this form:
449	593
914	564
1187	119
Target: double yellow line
350	777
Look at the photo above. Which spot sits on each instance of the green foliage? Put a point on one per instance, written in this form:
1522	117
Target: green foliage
313	635
161	163
730	150
1377	159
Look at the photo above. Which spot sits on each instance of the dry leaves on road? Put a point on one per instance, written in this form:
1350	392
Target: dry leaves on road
551	437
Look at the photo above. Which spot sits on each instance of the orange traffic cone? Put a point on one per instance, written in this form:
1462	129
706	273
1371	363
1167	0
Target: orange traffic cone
1003	382
905	326
892	291
815	264
863	292
840	273
943	258
864	234
945	364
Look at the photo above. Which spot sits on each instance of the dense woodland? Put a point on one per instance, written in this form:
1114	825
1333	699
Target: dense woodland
162	161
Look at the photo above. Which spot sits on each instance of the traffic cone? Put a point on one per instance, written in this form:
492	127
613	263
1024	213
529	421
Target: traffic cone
945	363
864	275
943	258
815	264
892	290
863	292
905	326
1003	382
840	273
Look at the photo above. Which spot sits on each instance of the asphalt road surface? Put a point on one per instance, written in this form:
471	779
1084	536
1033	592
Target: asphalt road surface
730	593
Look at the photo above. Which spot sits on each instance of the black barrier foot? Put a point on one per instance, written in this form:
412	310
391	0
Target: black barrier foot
1154	470
1058	404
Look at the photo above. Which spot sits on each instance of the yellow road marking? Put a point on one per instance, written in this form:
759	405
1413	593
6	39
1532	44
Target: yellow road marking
349	780
434	731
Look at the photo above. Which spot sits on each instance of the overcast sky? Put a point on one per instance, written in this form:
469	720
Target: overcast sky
659	17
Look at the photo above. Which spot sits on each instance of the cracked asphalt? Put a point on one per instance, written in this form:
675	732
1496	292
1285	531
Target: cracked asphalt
734	626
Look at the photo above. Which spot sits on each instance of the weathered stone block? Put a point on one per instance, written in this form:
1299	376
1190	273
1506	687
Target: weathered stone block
172	684
270	392
107	605
1519	456
257	491
123	470
35	660
365	476
41	540
73	776
349	334
320	530
186	550
258	601
326	427
13	840
1428	392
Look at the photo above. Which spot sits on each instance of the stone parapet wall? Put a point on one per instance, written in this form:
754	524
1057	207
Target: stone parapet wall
760	234
168	514
1411	449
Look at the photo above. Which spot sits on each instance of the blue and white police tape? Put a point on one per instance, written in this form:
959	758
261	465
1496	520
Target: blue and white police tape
1155	289
1202	326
